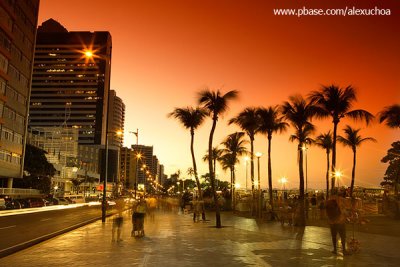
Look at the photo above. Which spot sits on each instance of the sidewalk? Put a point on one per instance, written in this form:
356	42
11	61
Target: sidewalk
174	240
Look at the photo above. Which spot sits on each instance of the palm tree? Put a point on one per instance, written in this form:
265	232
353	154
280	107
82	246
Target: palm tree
234	148
216	155
76	183
353	140
299	113
271	122
249	121
216	104
391	116
337	103
227	161
324	141
191	118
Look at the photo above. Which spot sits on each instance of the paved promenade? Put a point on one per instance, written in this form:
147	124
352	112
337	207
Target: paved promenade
172	239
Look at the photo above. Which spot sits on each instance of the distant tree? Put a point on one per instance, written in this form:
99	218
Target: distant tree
336	103
271	122
76	183
191	118
324	141
391	116
234	147
249	121
216	104
353	140
37	170
392	174
216	155
299	113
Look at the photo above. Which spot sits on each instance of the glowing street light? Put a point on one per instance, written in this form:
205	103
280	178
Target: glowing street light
88	53
338	174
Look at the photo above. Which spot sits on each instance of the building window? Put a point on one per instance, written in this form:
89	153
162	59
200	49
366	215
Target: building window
2	86
9	113
4	41
18	138
3	63
16	159
6	19
6	134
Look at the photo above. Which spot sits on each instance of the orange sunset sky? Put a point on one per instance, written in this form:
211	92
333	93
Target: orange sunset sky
164	52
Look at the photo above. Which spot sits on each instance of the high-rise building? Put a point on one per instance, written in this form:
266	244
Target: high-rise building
116	119
127	167
161	175
18	22
71	81
71	85
155	166
145	162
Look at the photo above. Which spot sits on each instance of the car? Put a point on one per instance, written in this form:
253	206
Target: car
2	204
70	201
23	202
35	202
12	204
75	198
51	201
62	201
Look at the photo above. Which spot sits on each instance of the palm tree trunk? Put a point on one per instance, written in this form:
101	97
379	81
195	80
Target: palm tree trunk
271	201
231	173
327	174
203	215
252	174
234	189
335	124
212	174
301	215
353	172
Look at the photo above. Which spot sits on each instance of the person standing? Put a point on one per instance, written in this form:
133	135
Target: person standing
118	220
337	221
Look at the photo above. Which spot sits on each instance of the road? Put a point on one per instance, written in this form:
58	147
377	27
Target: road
23	228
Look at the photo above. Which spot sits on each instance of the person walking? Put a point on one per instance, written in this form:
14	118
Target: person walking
138	218
337	221
118	220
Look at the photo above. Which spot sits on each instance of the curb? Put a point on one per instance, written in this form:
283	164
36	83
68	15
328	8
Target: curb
27	244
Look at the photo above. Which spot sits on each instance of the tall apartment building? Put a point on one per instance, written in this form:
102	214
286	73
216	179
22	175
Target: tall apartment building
155	167
128	167
71	81
146	159
161	176
18	22
116	119
71	85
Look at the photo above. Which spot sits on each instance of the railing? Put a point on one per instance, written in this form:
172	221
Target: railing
19	192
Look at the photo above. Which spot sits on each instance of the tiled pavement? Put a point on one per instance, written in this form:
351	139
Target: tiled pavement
172	239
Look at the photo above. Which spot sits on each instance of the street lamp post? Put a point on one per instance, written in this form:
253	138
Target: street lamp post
138	156
246	160
284	181
104	202
338	175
